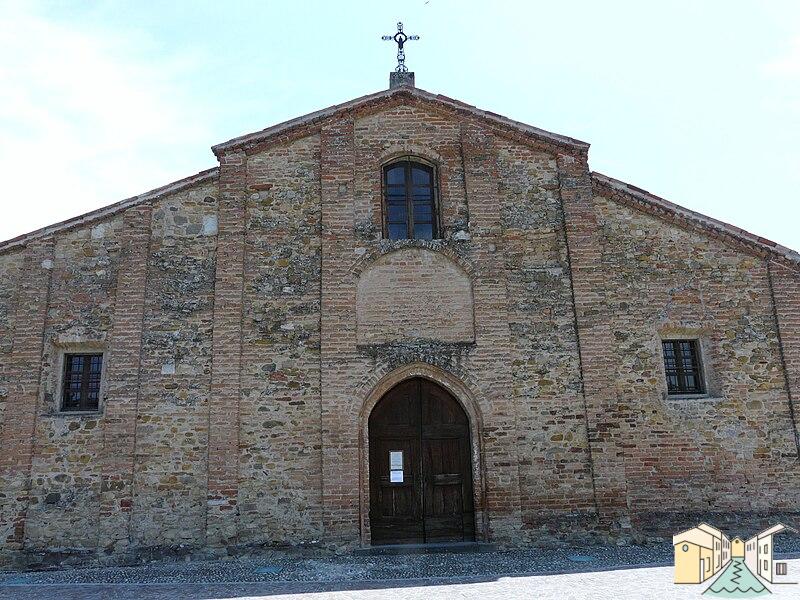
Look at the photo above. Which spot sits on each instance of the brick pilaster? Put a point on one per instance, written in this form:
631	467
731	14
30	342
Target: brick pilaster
605	415
340	487
122	388
785	284
223	405
492	354
24	373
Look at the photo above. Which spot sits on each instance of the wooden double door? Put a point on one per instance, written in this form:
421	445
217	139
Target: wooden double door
420	467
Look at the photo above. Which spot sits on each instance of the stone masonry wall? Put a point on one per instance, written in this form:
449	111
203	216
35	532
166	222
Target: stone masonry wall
172	417
65	476
75	495
555	468
501	222
734	451
280	465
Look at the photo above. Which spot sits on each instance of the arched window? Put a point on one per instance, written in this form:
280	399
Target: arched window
409	207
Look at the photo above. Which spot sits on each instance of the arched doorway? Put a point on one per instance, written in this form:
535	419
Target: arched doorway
420	469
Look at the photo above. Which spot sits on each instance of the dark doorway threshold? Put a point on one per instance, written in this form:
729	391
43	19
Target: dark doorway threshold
435	548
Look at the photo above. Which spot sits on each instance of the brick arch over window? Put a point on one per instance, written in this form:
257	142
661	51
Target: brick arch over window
412	150
467	398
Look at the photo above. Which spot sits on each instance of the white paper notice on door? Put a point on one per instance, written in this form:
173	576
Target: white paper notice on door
396	460
395	477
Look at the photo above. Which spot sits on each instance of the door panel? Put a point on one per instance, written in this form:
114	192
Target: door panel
397	512
433	503
443	489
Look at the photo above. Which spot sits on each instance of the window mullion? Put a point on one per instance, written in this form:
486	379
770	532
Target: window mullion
409	204
85	376
676	349
385	202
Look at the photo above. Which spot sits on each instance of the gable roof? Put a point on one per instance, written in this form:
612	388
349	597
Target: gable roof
630	195
775	529
111	209
311	122
308	124
694	535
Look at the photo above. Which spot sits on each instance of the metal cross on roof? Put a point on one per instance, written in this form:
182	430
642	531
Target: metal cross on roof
400	38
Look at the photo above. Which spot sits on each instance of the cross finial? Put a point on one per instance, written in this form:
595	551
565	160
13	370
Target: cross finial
400	38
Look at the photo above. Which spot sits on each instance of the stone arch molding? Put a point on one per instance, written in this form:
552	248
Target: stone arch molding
414	293
466	395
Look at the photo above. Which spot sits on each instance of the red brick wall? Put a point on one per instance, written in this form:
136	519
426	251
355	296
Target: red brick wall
226	368
123	386
786	293
23	376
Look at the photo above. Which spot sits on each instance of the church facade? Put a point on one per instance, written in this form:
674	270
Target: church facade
401	319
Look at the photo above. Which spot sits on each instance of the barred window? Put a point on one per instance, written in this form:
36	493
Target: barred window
682	367
81	386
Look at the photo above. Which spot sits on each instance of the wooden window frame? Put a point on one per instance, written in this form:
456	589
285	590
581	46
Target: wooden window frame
411	162
680	371
83	405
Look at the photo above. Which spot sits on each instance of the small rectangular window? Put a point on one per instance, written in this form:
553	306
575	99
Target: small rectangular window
81	385
780	568
682	367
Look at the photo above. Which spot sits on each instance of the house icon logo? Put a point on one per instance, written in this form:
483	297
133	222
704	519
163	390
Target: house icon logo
733	567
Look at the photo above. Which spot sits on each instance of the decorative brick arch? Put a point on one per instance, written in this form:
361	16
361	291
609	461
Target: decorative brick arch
466	397
387	247
411	150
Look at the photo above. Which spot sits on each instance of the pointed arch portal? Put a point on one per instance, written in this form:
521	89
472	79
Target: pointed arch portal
420	466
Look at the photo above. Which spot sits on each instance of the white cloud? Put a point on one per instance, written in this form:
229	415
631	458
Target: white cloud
788	64
86	119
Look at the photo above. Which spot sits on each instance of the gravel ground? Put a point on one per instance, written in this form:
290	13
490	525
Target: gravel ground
648	583
279	566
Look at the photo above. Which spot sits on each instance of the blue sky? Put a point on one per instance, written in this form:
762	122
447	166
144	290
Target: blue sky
696	101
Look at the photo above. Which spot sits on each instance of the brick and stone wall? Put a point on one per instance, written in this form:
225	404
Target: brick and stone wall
251	317
733	453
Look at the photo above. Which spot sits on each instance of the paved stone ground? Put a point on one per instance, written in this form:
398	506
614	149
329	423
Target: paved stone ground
362	578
